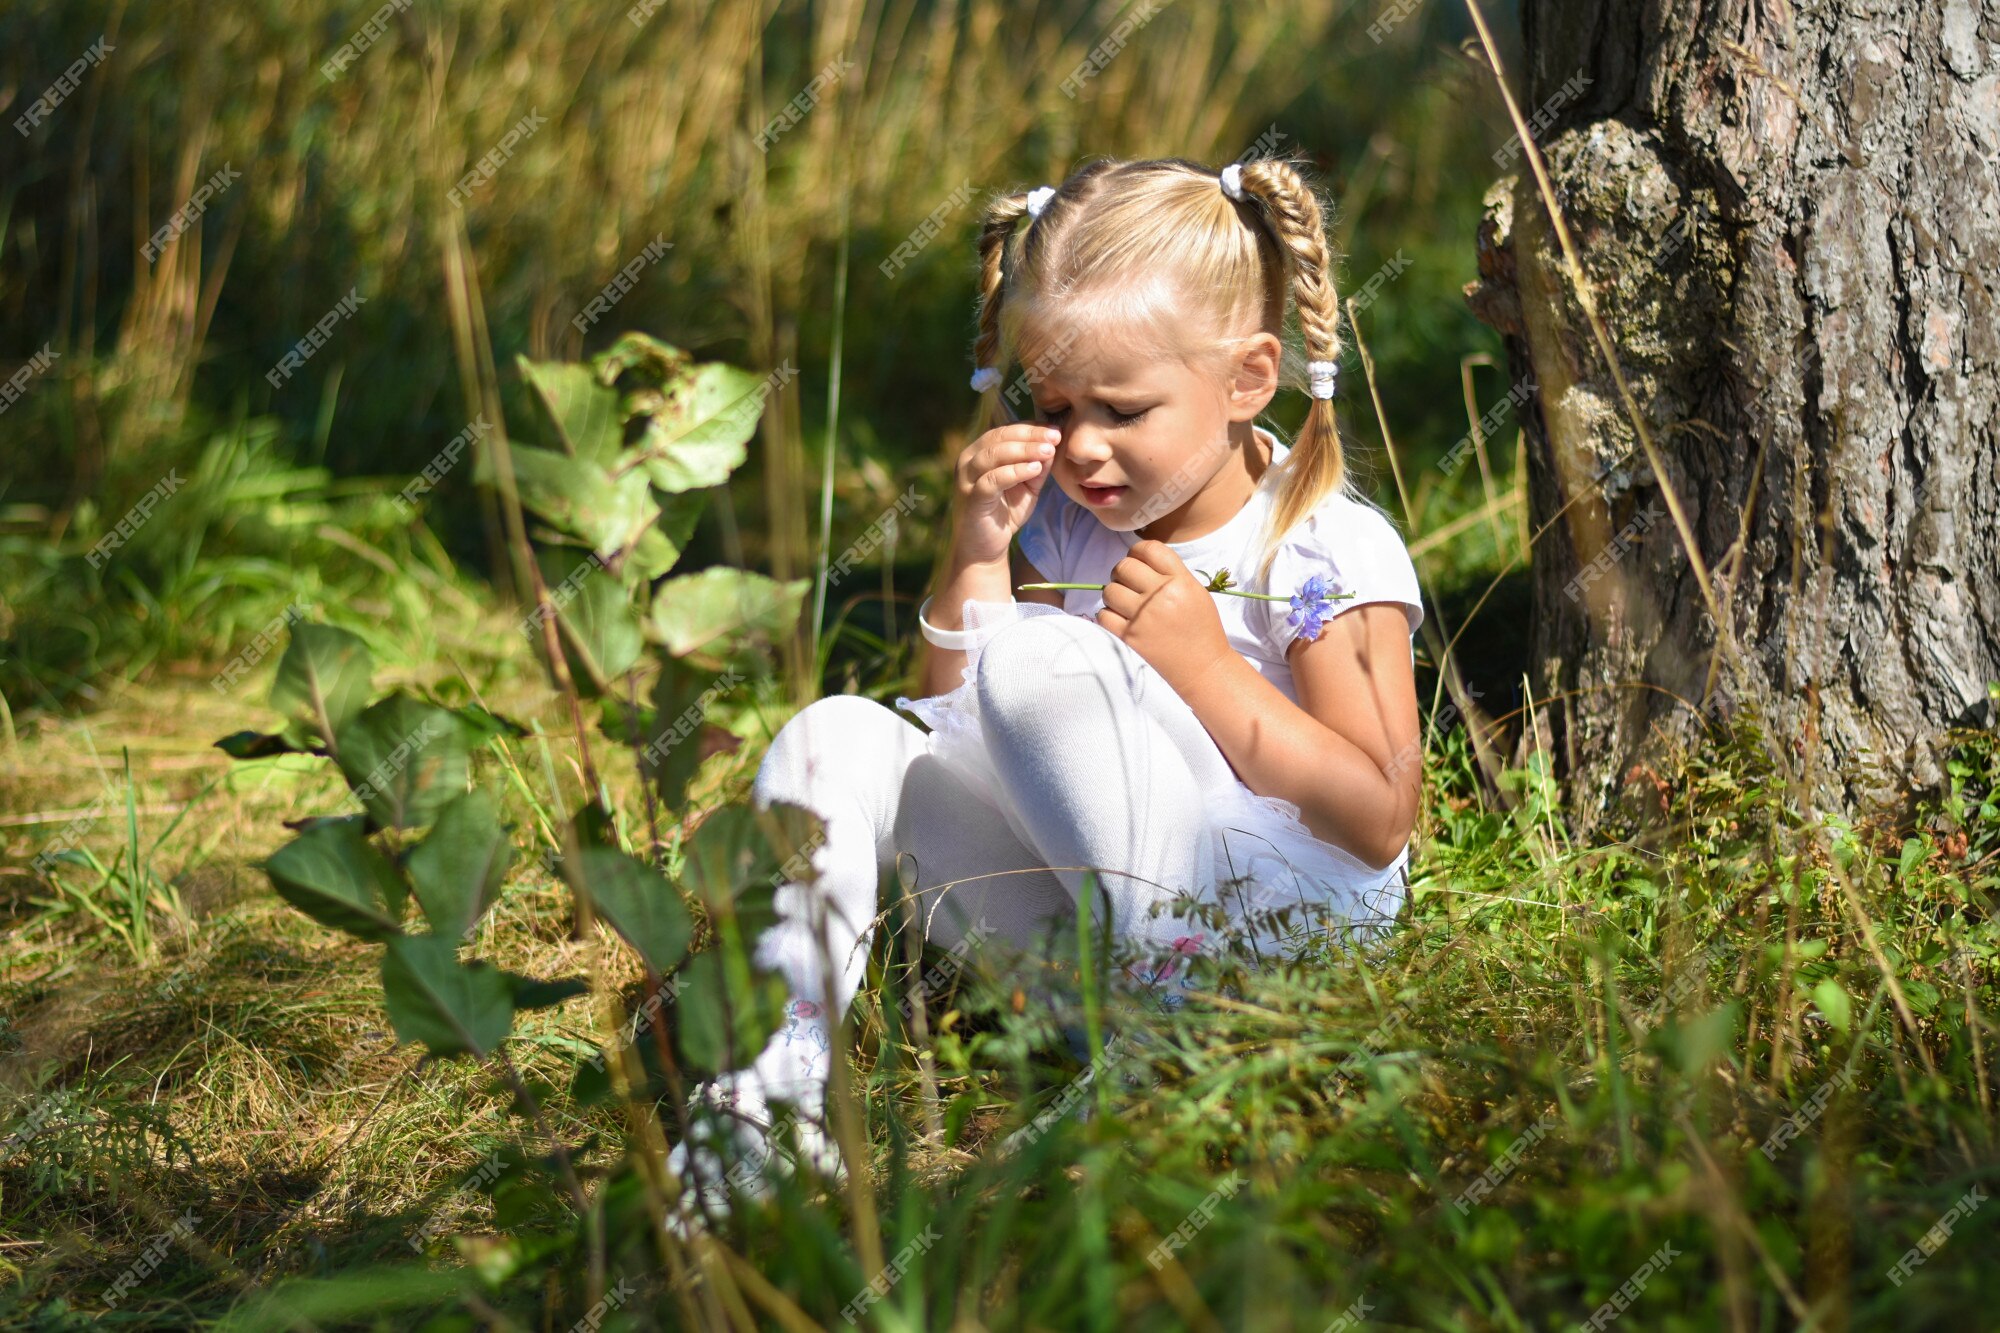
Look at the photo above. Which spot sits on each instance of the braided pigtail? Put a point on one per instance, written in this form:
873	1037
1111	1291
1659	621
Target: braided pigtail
1314	469
995	231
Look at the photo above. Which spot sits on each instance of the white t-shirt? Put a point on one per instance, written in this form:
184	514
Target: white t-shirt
1351	543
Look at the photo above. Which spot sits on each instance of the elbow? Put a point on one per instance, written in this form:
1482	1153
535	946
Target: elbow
1377	849
1382	852
1391	839
1373	824
1393	836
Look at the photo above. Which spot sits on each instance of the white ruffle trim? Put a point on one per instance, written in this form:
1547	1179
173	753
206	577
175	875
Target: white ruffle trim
1266	860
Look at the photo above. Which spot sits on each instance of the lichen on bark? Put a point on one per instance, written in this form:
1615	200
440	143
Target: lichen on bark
1791	228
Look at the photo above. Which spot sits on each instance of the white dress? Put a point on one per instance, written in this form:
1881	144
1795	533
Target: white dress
1265	858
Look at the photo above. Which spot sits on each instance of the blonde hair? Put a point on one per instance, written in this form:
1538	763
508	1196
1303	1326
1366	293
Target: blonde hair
1157	248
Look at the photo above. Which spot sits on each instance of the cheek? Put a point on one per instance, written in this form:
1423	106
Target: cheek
1154	454
1193	444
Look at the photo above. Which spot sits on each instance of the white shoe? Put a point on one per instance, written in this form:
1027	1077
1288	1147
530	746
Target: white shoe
737	1143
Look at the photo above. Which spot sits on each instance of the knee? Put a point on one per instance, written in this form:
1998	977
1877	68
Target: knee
829	741
930	790
1037	666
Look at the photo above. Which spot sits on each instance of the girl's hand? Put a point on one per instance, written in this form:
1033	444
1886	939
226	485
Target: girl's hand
1155	603
997	478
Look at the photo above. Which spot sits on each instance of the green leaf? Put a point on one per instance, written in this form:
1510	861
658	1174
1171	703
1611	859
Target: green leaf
698	428
356	1296
578	496
590	1084
725	853
738	859
598	629
533	993
257	745
335	876
621	721
726	1010
792	833
482	726
1699	1041
586	413
458	868
642	355
659	547
711	617
1831	998
957	1115
638	902
453	1008
1845	845
739	848
324	677
1914	851
670	752
594	826
404	758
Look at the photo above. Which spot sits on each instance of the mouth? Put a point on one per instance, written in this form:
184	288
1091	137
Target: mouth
1104	495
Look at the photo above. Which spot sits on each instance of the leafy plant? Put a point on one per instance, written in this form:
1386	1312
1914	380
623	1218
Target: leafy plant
640	432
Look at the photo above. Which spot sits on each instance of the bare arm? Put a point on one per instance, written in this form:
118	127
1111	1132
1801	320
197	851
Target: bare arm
1347	753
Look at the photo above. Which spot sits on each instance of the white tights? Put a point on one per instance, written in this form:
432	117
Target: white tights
1105	764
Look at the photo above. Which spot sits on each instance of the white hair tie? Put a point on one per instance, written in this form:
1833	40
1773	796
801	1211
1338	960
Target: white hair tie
1232	181
1323	376
1038	199
984	378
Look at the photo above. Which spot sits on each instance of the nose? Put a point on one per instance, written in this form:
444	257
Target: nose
1084	444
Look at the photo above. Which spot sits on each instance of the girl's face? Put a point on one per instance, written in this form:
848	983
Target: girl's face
1140	438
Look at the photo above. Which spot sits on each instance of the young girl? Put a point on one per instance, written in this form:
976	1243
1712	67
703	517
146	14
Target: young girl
1256	754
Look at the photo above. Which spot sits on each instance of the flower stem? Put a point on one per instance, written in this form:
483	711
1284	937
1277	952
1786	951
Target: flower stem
1232	592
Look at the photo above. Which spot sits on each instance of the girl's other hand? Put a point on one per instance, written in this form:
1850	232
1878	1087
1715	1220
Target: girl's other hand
1164	613
998	477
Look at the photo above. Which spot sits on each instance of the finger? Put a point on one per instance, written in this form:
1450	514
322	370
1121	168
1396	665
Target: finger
1005	444
1136	574
1032	430
1112	621
1008	437
1122	599
1157	555
1002	453
1005	478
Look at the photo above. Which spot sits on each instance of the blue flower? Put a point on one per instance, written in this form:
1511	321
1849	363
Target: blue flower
1310	605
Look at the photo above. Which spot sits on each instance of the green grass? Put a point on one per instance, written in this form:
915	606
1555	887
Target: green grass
1629	1010
1657	997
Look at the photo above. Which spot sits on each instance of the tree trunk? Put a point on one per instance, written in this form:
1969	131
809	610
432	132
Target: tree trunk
1790	213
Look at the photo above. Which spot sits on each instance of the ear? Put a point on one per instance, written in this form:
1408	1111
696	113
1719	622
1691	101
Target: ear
1254	376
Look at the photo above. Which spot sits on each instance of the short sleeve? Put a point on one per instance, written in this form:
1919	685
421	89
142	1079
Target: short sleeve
1357	550
1044	537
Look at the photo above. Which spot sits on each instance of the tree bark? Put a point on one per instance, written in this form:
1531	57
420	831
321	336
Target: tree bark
1790	213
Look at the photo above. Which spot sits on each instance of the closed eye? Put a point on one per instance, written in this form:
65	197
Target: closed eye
1118	418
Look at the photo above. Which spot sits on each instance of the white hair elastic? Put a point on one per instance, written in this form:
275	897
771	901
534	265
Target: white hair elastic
984	378
1038	199
1232	181
1323	375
